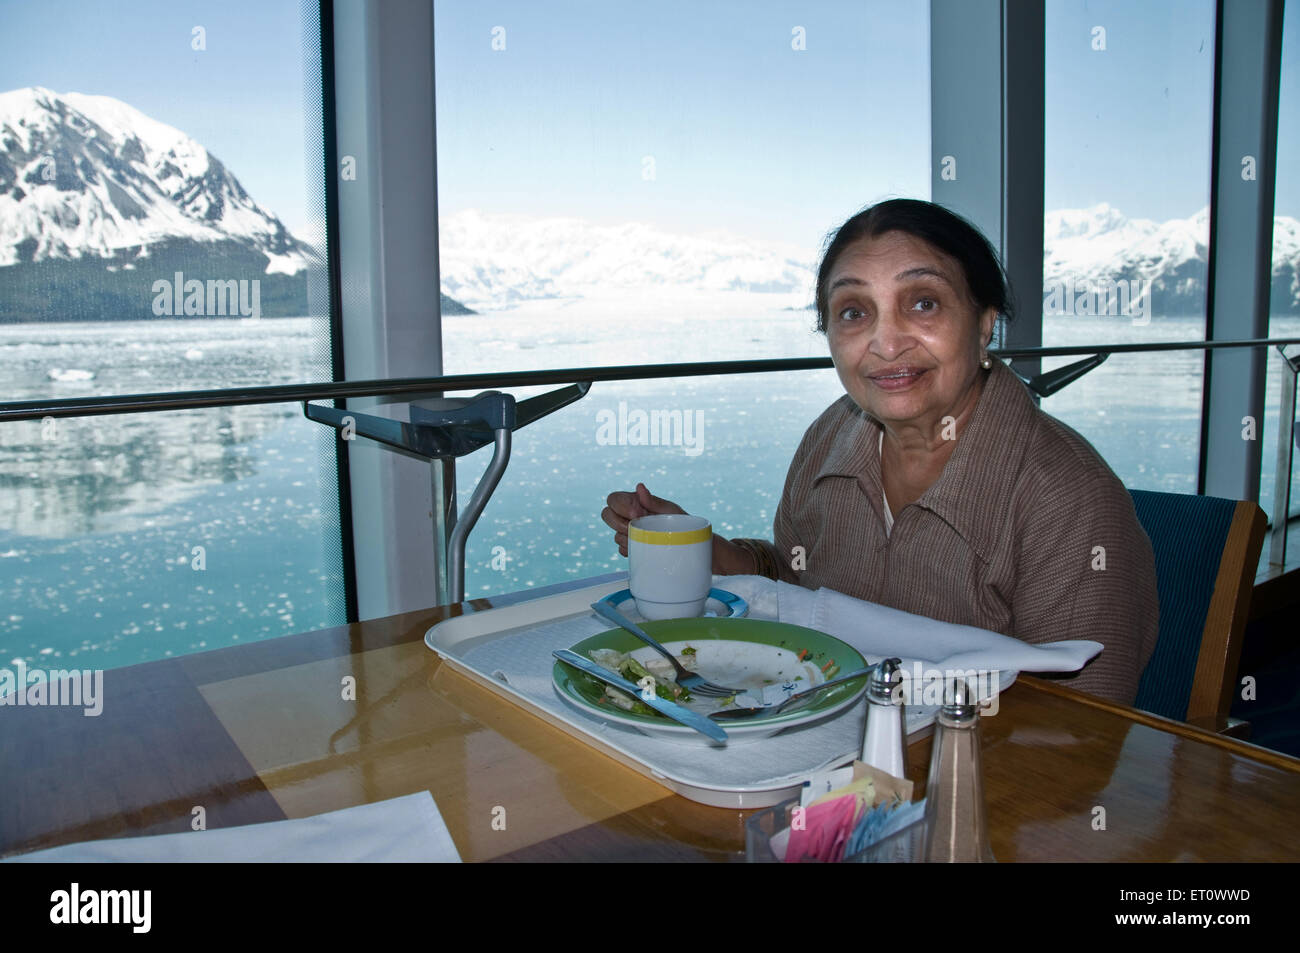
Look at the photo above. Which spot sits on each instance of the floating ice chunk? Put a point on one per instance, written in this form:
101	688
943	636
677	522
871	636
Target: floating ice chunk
70	374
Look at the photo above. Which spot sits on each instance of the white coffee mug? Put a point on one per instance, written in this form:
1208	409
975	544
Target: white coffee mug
670	558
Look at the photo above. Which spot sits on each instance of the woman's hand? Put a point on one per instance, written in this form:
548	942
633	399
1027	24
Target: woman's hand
728	558
624	507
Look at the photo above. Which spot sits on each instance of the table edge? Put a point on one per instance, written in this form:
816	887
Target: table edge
1268	756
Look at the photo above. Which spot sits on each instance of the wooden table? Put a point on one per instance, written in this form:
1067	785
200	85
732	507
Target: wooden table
262	732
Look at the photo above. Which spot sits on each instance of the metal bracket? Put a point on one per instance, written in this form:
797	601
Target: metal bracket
1049	382
440	430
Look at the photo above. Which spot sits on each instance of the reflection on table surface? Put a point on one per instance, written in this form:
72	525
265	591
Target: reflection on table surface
263	732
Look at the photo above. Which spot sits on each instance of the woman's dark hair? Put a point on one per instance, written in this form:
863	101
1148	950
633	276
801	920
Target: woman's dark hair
945	230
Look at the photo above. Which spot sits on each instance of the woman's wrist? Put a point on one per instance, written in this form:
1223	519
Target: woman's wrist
733	559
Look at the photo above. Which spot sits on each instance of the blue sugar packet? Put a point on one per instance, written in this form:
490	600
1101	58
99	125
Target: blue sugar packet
882	821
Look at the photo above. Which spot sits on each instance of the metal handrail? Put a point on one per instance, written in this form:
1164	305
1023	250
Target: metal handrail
415	387
424	387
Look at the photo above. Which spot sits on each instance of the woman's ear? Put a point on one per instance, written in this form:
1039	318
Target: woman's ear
987	322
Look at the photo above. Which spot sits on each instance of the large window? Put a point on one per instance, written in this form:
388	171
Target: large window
1128	115
1284	312
623	183
162	228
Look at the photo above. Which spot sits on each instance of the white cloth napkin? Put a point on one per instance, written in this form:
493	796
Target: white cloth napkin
405	829
879	631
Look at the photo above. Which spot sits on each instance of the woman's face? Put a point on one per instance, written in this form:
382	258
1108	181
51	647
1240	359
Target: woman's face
904	334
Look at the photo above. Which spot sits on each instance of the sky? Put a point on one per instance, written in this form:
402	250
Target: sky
1150	91
690	115
746	133
1131	124
751	135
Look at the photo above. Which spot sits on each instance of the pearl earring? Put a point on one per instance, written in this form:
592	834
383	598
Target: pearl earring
986	363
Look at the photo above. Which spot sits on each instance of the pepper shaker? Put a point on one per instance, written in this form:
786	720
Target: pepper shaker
884	745
956	825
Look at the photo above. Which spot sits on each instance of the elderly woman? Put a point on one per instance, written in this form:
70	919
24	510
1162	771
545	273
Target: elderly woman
936	485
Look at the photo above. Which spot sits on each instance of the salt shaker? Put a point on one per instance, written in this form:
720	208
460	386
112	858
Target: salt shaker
956	825
885	745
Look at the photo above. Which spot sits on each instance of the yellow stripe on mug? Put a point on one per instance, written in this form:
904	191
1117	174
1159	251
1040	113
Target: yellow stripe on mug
670	537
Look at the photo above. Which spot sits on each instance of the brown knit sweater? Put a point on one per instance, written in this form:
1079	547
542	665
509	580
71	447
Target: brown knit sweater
1026	532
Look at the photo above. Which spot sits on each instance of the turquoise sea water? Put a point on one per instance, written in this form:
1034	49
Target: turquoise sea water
100	519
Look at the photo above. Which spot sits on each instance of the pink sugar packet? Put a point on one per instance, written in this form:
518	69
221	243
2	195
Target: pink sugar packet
819	833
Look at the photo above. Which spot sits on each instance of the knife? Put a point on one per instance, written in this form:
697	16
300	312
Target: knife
664	707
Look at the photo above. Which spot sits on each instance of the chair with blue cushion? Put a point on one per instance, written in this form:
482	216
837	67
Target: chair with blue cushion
1207	551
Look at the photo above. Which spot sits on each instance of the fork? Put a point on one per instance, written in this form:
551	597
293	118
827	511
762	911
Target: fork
802	697
690	681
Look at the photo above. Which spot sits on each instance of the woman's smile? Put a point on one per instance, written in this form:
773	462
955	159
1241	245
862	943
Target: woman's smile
897	378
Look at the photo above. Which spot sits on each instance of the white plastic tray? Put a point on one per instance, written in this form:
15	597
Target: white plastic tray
454	639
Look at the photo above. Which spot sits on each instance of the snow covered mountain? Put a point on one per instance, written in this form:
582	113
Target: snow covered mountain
1094	246
99	202
494	262
91	176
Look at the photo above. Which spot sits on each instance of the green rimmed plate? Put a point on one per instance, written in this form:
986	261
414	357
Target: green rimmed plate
743	653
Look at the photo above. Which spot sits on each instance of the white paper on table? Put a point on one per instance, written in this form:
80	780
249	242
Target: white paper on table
405	829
